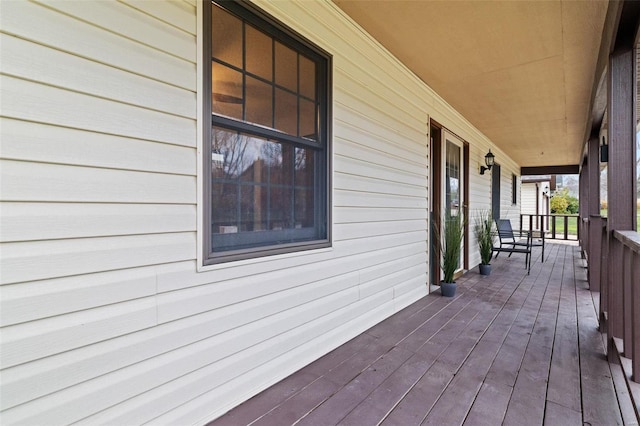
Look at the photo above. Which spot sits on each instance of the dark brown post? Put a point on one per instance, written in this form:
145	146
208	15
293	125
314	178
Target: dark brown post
621	171
604	273
593	178
583	202
593	214
635	315
627	261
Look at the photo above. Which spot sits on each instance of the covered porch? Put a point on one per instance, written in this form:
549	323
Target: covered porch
511	348
559	346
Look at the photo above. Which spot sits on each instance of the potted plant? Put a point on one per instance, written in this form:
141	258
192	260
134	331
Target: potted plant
484	231
450	240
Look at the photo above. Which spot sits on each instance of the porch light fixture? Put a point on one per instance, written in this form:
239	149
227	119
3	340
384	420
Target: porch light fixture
489	161
604	151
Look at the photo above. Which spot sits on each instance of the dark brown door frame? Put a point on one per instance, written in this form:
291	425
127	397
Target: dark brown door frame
436	198
436	189
465	203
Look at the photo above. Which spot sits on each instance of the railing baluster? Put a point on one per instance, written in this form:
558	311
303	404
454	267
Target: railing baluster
627	254
627	244
604	275
521	223
580	225
635	316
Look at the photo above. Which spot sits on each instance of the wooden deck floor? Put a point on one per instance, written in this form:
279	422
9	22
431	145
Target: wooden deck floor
508	349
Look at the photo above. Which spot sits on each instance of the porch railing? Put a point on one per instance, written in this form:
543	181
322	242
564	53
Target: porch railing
627	245
617	252
555	226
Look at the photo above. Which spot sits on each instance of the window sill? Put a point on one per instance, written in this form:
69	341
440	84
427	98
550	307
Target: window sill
262	259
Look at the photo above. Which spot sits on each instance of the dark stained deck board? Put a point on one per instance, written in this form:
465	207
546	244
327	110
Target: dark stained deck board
336	408
460	395
530	390
599	401
509	359
624	399
490	405
375	408
558	415
564	376
505	349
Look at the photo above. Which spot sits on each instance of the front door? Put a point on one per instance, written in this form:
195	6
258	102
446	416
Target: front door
453	182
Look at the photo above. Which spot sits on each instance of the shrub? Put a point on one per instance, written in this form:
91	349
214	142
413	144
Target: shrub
485	232
558	204
563	203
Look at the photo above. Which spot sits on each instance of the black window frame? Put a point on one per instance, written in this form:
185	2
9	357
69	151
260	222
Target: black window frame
281	33
514	189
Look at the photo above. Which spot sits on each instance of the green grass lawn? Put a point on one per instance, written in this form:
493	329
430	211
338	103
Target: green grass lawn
603	213
572	225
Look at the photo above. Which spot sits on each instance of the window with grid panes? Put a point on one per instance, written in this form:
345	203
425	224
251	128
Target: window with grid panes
267	146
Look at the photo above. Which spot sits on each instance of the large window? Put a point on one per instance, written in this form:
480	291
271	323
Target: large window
267	146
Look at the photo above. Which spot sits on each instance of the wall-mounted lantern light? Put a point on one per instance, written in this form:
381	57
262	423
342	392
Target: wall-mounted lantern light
489	161
604	151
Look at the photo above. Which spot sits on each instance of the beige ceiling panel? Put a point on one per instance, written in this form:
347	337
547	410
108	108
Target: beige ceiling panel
520	71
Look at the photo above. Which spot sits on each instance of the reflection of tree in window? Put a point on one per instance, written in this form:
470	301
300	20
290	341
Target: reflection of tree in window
452	180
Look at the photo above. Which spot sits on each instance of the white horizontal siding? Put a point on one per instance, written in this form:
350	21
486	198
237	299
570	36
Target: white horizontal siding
480	192
27	181
37	339
29	101
60	258
57	68
53	221
174	13
39	143
47	298
104	316
50	28
528	198
134	24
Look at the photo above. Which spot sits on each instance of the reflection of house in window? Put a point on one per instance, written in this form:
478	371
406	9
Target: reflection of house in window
260	185
217	160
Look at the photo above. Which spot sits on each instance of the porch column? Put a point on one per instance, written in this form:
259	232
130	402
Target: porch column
621	172
593	214
582	203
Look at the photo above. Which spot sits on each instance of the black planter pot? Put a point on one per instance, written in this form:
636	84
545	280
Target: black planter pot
448	289
485	269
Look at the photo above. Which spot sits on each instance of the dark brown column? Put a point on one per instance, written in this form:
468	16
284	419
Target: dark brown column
593	181
583	200
621	212
593	214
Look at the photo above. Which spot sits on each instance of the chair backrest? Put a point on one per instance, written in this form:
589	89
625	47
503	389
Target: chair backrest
505	231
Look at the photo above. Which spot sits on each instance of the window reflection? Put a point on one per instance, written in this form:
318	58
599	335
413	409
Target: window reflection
279	83
260	185
452	180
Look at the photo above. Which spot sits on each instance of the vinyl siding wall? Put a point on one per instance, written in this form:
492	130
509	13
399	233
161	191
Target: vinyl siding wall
480	190
529	198
105	315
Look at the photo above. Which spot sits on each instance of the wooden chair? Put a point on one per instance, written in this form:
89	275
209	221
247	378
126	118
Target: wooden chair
510	244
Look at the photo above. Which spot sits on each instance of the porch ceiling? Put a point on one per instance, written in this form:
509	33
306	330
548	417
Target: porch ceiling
520	71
